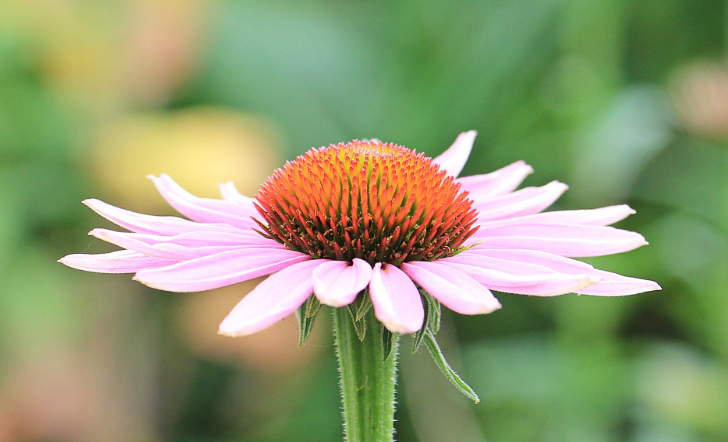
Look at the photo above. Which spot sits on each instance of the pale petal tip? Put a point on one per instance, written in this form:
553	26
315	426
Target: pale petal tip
227	328
91	203
229	334
559	184
400	328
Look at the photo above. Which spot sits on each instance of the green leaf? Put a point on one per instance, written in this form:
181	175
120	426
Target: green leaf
449	373
306	315
388	339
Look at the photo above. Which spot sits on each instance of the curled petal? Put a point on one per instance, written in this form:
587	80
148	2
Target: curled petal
500	182
454	158
564	240
203	210
396	300
219	270
602	216
230	193
520	203
272	300
122	261
611	284
155	225
456	290
336	283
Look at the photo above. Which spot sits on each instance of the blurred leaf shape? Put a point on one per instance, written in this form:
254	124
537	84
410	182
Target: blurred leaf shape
678	384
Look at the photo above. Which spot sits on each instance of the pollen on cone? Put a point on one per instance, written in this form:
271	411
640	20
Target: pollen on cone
366	199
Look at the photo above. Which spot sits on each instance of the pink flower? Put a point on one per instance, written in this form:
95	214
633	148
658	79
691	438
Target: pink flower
343	218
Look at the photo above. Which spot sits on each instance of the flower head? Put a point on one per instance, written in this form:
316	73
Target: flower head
369	215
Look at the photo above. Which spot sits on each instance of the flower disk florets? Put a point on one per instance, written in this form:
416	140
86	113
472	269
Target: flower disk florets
366	199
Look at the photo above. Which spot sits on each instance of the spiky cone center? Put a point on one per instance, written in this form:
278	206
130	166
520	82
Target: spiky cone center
376	201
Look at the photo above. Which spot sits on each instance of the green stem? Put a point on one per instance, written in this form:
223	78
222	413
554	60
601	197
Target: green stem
367	382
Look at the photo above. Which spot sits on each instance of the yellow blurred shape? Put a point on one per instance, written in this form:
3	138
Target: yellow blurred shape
198	147
102	56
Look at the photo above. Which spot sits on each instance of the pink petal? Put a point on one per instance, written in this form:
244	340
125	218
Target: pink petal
396	300
520	203
204	238
612	284
230	193
564	240
219	270
520	278
336	283
204	210
156	225
603	216
272	300
456	290
454	158
122	261
500	182
162	250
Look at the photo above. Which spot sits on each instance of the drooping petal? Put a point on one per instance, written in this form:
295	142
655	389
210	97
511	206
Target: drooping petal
456	290
612	284
500	182
272	300
122	261
219	270
454	158
520	203
602	216
336	283
565	240
204	210
396	300
155	225
229	192
519	278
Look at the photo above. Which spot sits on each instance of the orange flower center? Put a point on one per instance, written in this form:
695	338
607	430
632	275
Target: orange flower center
366	199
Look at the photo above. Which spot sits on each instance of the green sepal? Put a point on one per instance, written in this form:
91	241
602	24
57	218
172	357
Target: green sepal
360	326
388	340
363	303
306	315
435	312
463	249
449	373
313	305
431	321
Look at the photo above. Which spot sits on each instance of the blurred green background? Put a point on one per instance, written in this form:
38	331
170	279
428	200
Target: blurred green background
626	101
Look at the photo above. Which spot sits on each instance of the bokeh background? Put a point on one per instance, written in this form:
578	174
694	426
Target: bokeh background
626	101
